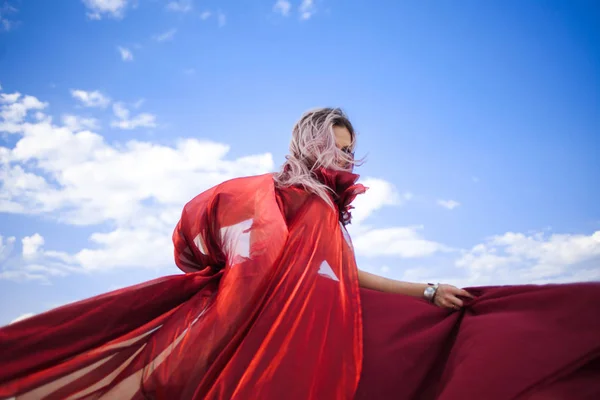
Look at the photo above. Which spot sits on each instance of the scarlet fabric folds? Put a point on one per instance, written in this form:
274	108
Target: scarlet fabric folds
270	308
513	342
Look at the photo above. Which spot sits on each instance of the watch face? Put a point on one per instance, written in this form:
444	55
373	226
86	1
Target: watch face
429	291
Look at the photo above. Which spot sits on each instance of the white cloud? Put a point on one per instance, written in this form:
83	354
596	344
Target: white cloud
76	123
222	19
381	193
32	245
120	111
36	264
132	193
91	99
6	246
100	8
135	190
35	272
538	258
6	23
512	258
143	120
126	54
22	317
14	109
404	242
138	103
182	6
40	116
9	98
307	9
166	36
205	15
449	204
23	276
125	121
18	184
282	7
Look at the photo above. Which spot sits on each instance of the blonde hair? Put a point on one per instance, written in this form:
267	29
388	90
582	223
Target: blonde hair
313	146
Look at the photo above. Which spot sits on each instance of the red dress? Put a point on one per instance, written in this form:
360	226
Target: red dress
270	308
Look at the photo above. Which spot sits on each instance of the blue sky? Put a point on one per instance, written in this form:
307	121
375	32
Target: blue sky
480	122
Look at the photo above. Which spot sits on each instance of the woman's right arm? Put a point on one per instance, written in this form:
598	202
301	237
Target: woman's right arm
446	295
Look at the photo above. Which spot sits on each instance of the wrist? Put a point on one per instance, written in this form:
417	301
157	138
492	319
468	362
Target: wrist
430	291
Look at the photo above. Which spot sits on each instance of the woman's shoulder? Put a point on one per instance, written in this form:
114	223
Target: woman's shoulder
291	199
240	188
247	183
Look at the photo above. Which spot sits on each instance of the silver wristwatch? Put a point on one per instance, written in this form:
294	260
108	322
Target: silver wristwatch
429	292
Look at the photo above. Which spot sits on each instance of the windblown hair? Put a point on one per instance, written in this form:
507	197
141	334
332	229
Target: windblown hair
313	146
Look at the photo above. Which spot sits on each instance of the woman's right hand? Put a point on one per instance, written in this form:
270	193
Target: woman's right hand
446	296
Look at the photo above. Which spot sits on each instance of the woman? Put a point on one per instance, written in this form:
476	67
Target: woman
313	146
273	306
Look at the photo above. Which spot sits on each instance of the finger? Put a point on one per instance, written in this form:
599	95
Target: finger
461	292
444	303
440	302
452	300
455	291
457	302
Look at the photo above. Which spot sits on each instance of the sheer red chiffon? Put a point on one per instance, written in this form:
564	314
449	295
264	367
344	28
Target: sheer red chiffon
269	308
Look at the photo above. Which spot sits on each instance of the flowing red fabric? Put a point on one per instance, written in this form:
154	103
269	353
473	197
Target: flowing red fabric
512	342
270	308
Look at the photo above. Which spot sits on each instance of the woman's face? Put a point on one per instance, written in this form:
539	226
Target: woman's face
343	138
343	141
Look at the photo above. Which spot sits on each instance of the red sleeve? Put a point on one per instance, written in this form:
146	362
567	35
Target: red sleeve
196	238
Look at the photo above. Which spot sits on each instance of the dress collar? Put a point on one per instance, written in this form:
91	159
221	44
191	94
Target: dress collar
344	189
